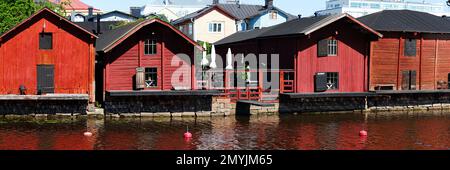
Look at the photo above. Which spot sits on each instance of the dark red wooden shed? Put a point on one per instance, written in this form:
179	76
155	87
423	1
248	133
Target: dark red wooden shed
316	54
143	56
414	53
47	53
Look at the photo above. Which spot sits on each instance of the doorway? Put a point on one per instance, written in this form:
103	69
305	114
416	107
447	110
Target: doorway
45	79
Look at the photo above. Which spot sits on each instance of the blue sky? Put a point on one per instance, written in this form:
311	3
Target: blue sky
303	7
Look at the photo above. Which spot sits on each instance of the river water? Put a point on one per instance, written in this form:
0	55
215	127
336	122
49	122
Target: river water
285	132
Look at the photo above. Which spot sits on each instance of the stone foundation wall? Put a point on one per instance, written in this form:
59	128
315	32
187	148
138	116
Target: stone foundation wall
321	104
424	101
51	107
380	101
168	106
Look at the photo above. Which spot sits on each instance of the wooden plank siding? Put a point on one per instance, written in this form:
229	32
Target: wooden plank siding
72	56
299	53
122	61
431	61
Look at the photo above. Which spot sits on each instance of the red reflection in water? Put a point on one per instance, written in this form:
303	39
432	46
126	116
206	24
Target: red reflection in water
292	132
73	141
349	138
13	140
429	135
306	137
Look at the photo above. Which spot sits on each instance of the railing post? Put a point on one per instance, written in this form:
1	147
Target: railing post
281	81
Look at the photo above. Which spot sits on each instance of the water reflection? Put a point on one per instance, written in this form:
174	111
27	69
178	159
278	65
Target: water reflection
307	132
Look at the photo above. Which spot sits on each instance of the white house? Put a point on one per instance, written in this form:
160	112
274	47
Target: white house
173	9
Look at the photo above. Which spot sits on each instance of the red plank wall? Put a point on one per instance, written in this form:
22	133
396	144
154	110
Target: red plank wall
432	62
127	56
350	62
72	55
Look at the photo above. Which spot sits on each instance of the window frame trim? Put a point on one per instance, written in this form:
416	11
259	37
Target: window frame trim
39	41
151	41
216	22
157	77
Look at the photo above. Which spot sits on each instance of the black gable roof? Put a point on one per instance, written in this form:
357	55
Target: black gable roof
112	35
92	26
406	21
302	26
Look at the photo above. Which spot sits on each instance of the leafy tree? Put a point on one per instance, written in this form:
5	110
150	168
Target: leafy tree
13	12
159	16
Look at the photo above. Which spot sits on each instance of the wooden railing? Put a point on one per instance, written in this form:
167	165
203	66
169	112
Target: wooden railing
247	90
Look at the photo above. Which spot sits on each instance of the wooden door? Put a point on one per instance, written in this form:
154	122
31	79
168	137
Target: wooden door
45	79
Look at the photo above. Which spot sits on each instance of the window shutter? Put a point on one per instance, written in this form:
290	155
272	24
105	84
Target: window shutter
413	80
320	82
410	47
140	78
322	48
405	80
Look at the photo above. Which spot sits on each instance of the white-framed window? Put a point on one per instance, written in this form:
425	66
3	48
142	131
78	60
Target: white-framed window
151	77
332	80
273	15
332	47
215	27
150	47
191	29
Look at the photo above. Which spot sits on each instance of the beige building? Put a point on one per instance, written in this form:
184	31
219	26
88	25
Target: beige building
209	25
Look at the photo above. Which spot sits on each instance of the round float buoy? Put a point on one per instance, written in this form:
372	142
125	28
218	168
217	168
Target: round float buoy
188	135
87	134
362	133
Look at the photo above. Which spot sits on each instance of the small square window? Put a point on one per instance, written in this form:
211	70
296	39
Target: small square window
151	77
45	41
150	47
410	47
332	80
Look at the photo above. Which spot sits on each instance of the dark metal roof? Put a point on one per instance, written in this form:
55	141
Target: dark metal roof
92	26
406	21
109	39
243	36
111	36
239	11
301	26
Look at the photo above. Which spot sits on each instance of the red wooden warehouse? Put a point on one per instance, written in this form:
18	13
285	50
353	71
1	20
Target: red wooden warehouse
316	54
46	53
142	56
414	53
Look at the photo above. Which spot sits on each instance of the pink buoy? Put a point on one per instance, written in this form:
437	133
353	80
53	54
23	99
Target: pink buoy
362	133
87	134
188	135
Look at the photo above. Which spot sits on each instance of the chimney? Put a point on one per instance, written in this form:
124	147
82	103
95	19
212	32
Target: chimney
269	3
215	2
98	25
135	11
90	12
